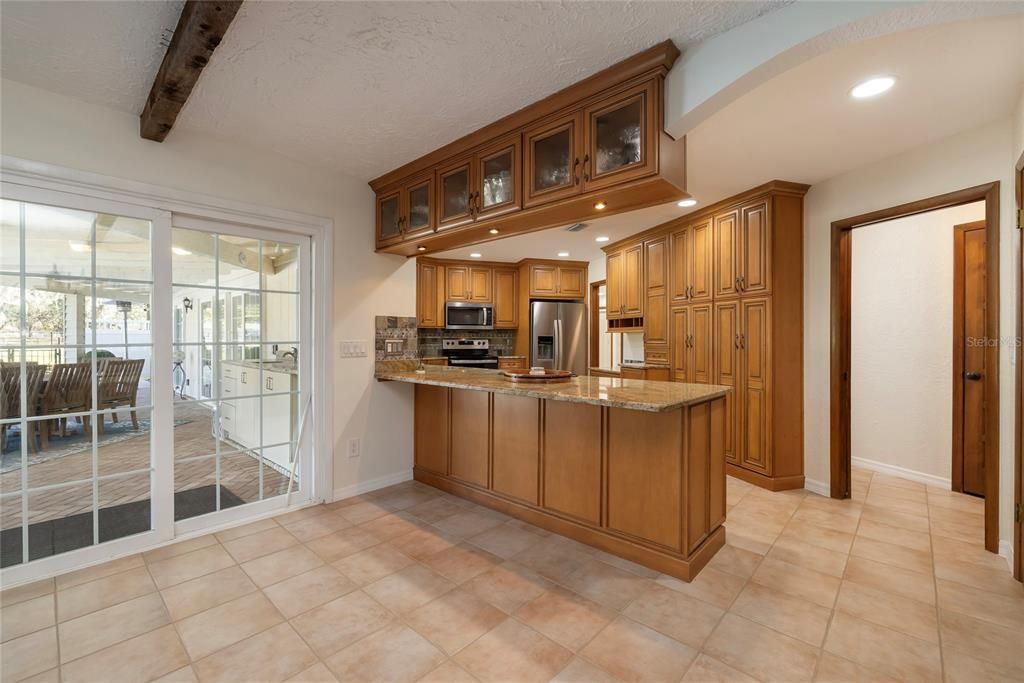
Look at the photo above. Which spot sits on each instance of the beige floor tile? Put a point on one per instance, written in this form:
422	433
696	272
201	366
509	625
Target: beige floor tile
893	611
311	589
736	561
409	588
895	519
438	508
281	565
963	667
750	538
98	571
460	563
972	518
707	669
884	577
567	618
318	673
554	557
259	544
804	583
364	511
624	564
809	556
341	622
27	591
988	579
470	522
711	586
883	649
185	599
185	674
919	561
606	585
454	620
51	676
106	627
508	586
141	658
373	658
449	672
420	543
197	563
392	525
896	503
246	529
761	652
28	655
505	540
835	669
26	617
970	533
686	619
825	519
224	625
945	549
273	655
580	670
870	528
513	652
179	548
823	537
109	590
998	609
785	613
342	543
373	563
634	652
308	528
984	640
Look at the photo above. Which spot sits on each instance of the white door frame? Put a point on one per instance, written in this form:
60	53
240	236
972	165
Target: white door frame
38	179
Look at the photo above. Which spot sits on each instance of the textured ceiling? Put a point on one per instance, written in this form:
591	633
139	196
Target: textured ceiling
361	87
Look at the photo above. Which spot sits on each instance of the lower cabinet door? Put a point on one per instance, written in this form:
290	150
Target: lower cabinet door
516	461
431	428
470	436
572	459
727	371
755	349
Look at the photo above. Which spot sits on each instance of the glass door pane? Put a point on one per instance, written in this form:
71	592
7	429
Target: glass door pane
235	433
76	403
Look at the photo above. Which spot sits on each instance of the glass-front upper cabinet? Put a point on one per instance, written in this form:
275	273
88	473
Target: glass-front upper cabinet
454	183
552	160
497	189
418	201
620	138
389	217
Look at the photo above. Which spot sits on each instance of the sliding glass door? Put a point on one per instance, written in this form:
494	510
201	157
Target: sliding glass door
153	376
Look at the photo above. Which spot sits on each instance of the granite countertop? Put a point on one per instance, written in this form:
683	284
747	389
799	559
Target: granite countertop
269	365
610	372
614	392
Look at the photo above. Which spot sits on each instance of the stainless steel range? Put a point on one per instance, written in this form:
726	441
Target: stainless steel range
469	353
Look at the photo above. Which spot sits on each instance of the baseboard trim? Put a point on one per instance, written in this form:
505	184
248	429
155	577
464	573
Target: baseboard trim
1006	552
820	487
897	471
763	481
371	485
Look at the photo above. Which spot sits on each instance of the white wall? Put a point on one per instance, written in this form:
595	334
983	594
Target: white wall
902	331
970	158
41	126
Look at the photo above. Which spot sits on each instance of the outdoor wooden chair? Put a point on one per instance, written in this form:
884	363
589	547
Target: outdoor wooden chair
118	386
68	390
10	398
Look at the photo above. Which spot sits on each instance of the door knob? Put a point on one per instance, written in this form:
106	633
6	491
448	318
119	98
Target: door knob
972	375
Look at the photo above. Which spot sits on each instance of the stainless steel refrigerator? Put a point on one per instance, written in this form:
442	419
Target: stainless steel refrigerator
558	335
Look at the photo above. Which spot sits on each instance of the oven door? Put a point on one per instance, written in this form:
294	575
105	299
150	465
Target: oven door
488	363
462	316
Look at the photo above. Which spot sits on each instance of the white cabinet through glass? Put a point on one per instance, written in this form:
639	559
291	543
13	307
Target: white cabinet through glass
75	369
237	406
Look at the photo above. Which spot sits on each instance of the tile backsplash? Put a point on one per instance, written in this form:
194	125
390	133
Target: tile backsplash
502	341
394	338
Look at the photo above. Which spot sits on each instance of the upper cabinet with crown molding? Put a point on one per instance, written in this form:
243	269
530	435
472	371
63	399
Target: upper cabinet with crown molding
600	142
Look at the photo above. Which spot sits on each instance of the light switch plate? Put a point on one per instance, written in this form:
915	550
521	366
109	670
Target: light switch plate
353	349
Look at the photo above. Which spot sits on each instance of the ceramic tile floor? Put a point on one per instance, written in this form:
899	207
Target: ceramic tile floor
409	584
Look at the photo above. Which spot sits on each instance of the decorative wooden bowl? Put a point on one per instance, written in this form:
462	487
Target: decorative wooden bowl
548	376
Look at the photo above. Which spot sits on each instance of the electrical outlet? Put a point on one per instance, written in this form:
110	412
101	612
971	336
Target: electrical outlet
355	446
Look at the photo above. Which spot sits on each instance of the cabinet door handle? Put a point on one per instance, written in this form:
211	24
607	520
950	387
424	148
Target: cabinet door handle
743	341
243	377
576	171
737	284
743	283
736	343
586	168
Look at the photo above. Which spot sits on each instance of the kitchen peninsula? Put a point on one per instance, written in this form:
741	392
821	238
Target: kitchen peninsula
633	467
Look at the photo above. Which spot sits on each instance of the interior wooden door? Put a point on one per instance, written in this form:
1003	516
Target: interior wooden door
726	369
755	355
726	270
632	279
679	269
614	286
755	247
970	304
701	261
701	345
681	351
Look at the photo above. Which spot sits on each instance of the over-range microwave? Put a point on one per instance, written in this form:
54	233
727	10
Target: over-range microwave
462	315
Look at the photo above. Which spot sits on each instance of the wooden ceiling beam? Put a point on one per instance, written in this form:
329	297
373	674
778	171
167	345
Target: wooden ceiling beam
200	29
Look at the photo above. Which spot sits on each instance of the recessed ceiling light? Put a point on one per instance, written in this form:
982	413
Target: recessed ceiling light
79	246
563	254
600	205
687	203
179	251
602	238
493	231
872	87
421	248
475	255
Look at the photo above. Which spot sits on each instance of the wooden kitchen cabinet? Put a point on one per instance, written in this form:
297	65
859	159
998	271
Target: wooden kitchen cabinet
554	280
572	282
743	252
727	272
430	292
624	284
692	345
496	182
727	370
506	298
620	138
468	283
407	211
553	159
470	438
454	183
516	439
755	385
656	330
692	263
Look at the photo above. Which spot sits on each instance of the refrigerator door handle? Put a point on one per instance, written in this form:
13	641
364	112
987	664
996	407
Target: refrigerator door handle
558	344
